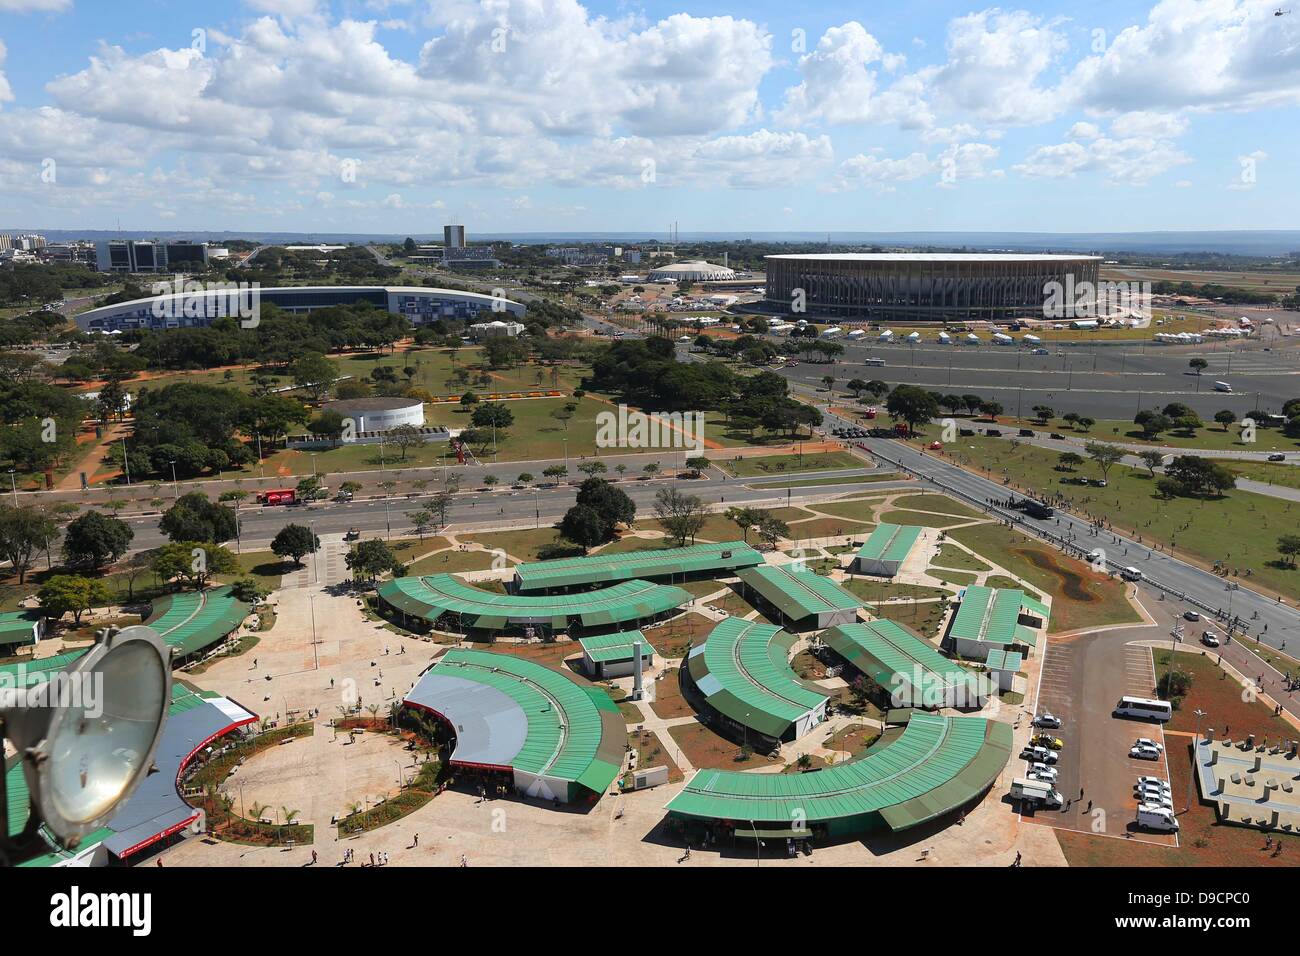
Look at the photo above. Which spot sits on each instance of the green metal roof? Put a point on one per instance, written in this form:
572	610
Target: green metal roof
743	670
25	672
936	765
1035	606
799	593
600	568
567	736
910	669
889	542
18	627
604	648
430	597
1002	660
192	621
990	616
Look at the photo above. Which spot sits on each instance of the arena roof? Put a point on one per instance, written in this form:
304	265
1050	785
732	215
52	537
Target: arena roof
1002	660
743	671
18	627
615	647
799	593
889	542
898	661
597	568
430	597
192	621
936	765
935	257
513	713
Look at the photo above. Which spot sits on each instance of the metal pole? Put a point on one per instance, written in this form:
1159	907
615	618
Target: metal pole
1195	751
126	465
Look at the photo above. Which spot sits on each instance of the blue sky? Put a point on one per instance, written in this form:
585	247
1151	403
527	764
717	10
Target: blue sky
549	115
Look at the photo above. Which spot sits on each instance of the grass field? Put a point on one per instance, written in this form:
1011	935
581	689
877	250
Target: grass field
951	556
1288	476
1080	597
1211	437
813	482
1240	528
787	464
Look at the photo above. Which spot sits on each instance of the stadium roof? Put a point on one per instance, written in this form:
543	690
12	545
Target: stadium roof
936	765
743	672
191	621
513	713
430	597
991	616
898	661
935	256
799	593
889	542
615	647
600	568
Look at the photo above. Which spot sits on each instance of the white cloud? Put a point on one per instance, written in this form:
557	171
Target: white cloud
997	63
6	94
1155	125
866	169
34	6
1205	54
1130	160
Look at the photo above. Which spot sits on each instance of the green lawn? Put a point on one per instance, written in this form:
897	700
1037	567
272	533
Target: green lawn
1210	437
813	482
1080	597
787	464
939	503
921	519
1288	476
1240	528
951	556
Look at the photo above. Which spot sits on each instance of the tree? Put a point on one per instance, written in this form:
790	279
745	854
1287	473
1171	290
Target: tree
1069	461
369	559
1200	476
194	562
1105	456
610	503
1152	460
71	594
309	488
525	479
593	468
194	518
913	405
95	540
294	541
771	529
24	531
697	465
584	525
1288	545
351	487
440	504
468	400
249	590
406	437
492	414
1225	418
682	516
1198	365
136	565
990	409
1043	413
421	521
555	473
857	386
745	519
314	374
1152	423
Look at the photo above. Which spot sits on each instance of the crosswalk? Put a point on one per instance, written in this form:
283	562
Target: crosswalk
324	568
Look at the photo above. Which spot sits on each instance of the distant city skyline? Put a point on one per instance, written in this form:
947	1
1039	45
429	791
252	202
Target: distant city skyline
392	117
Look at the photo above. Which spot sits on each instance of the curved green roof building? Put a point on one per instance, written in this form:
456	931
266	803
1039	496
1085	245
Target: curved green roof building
429	598
743	672
559	740
935	766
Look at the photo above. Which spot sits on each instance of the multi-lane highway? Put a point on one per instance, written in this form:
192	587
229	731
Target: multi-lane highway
1103	382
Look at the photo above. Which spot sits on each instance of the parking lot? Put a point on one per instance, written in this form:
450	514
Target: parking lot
1081	679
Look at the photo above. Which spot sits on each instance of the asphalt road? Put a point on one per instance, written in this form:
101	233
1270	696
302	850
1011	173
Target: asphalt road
1103	382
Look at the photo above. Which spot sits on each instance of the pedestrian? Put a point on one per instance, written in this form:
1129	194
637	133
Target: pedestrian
417	840
313	857
372	859
1018	858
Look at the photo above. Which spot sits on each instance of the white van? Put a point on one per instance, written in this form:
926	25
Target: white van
1222	387
1157	818
1131	574
1037	792
1144	708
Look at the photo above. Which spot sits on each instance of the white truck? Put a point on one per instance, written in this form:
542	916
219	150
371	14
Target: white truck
1160	819
1038	793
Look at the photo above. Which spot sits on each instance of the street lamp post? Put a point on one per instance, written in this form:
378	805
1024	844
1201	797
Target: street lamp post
13	484
176	487
1196	741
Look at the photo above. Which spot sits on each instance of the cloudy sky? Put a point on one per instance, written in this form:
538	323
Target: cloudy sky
527	115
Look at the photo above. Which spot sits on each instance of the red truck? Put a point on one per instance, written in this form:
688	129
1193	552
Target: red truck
277	496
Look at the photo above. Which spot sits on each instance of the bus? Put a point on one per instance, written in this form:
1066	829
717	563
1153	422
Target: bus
278	496
877	362
1144	709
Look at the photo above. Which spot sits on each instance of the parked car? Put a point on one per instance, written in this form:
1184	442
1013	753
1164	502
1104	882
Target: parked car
1039	755
1042	771
1148	742
1047	740
1210	639
1040	352
1152	781
1144	753
1058	436
1156	799
1047	721
1191	616
1277	457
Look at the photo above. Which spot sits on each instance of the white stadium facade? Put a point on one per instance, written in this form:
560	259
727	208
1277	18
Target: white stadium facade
199	308
695	270
927	287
